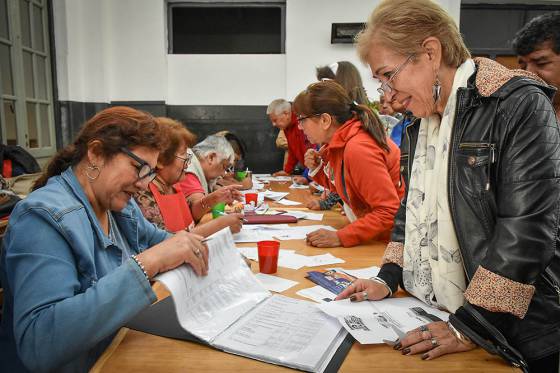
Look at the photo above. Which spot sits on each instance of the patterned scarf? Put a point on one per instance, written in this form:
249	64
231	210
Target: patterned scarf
433	267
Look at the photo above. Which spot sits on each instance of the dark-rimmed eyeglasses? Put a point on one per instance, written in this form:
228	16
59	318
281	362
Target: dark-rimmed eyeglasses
386	87
301	119
186	160
145	171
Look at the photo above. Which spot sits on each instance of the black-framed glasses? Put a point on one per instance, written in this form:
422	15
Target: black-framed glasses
145	171
300	119
186	160
386	87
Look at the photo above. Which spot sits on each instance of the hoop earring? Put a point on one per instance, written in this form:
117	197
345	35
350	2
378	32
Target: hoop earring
436	89
95	169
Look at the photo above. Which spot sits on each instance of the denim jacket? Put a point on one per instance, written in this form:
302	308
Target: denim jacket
67	290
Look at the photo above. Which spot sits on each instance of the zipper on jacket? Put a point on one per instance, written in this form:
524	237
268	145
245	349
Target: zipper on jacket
548	278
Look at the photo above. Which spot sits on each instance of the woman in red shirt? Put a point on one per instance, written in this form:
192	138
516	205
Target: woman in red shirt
363	163
164	204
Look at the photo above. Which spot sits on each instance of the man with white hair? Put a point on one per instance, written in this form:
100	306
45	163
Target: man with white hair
280	113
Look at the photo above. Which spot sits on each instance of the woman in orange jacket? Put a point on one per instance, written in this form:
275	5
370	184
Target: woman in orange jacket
363	163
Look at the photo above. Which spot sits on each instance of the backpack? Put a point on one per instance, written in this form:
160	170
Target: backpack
15	160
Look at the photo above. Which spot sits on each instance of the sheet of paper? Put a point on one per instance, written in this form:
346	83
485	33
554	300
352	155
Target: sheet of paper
300	232
246	236
394	315
275	178
286	258
274	283
323	259
361	272
275	196
288	202
317	293
298	186
291	331
199	310
305	215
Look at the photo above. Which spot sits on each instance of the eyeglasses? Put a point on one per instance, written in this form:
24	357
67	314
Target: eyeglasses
386	86
145	171
186	160
300	119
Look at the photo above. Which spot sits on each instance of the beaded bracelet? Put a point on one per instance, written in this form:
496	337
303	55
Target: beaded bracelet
382	282
141	266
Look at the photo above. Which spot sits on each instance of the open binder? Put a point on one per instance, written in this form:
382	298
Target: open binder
246	320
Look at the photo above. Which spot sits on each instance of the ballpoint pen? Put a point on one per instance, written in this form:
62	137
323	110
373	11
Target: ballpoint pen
224	214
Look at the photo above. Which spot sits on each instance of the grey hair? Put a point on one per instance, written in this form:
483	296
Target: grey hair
278	107
214	144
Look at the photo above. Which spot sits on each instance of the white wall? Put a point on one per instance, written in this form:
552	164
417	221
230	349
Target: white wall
111	50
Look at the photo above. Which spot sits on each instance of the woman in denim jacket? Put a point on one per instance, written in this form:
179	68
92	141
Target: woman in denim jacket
78	254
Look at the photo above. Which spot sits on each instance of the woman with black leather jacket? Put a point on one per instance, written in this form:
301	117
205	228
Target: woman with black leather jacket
477	231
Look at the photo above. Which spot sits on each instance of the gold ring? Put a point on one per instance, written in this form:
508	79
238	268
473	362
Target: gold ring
196	251
434	343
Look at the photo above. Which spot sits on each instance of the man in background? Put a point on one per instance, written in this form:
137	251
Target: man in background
280	113
537	46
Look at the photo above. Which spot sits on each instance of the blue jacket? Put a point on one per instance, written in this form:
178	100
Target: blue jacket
66	289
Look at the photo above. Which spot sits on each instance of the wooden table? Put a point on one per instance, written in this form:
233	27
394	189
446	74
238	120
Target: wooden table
140	352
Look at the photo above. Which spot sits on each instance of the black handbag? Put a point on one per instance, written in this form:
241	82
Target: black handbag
496	345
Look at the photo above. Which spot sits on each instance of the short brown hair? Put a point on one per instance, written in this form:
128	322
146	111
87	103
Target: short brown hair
402	25
175	134
116	128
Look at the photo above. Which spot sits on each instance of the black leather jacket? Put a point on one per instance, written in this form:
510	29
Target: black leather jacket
504	196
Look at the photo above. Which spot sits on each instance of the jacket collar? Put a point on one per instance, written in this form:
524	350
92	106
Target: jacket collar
344	133
490	79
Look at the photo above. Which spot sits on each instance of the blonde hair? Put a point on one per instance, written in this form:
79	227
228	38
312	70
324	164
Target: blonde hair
402	26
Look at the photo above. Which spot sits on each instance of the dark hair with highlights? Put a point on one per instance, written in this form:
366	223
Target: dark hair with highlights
541	29
329	97
115	127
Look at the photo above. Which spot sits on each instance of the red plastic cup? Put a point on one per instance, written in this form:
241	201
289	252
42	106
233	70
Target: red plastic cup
268	256
251	197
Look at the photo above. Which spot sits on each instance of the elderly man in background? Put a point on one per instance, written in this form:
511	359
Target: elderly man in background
537	46
280	113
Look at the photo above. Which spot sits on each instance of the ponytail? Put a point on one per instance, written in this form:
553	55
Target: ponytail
66	157
371	123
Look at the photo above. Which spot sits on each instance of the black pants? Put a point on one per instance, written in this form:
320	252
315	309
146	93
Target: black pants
548	364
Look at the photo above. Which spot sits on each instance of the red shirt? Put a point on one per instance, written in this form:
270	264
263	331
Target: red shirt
297	145
190	185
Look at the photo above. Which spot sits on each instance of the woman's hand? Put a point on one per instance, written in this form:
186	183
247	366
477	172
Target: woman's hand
233	221
182	248
312	159
227	194
313	204
300	180
434	339
323	238
358	289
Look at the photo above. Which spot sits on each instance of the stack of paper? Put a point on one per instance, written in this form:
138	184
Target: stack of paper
265	232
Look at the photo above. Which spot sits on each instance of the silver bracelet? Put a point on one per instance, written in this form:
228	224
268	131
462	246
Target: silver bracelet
460	336
135	258
382	282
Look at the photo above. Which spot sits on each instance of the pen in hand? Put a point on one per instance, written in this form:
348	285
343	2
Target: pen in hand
224	214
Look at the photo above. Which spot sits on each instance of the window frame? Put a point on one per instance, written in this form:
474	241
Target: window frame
172	5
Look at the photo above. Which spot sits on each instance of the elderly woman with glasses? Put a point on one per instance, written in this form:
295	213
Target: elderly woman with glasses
78	254
163	203
213	158
477	232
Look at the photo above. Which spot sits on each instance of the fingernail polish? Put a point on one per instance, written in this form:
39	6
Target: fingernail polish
398	346
425	356
406	351
353	298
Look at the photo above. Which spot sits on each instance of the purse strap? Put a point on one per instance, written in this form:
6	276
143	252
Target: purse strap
496	345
